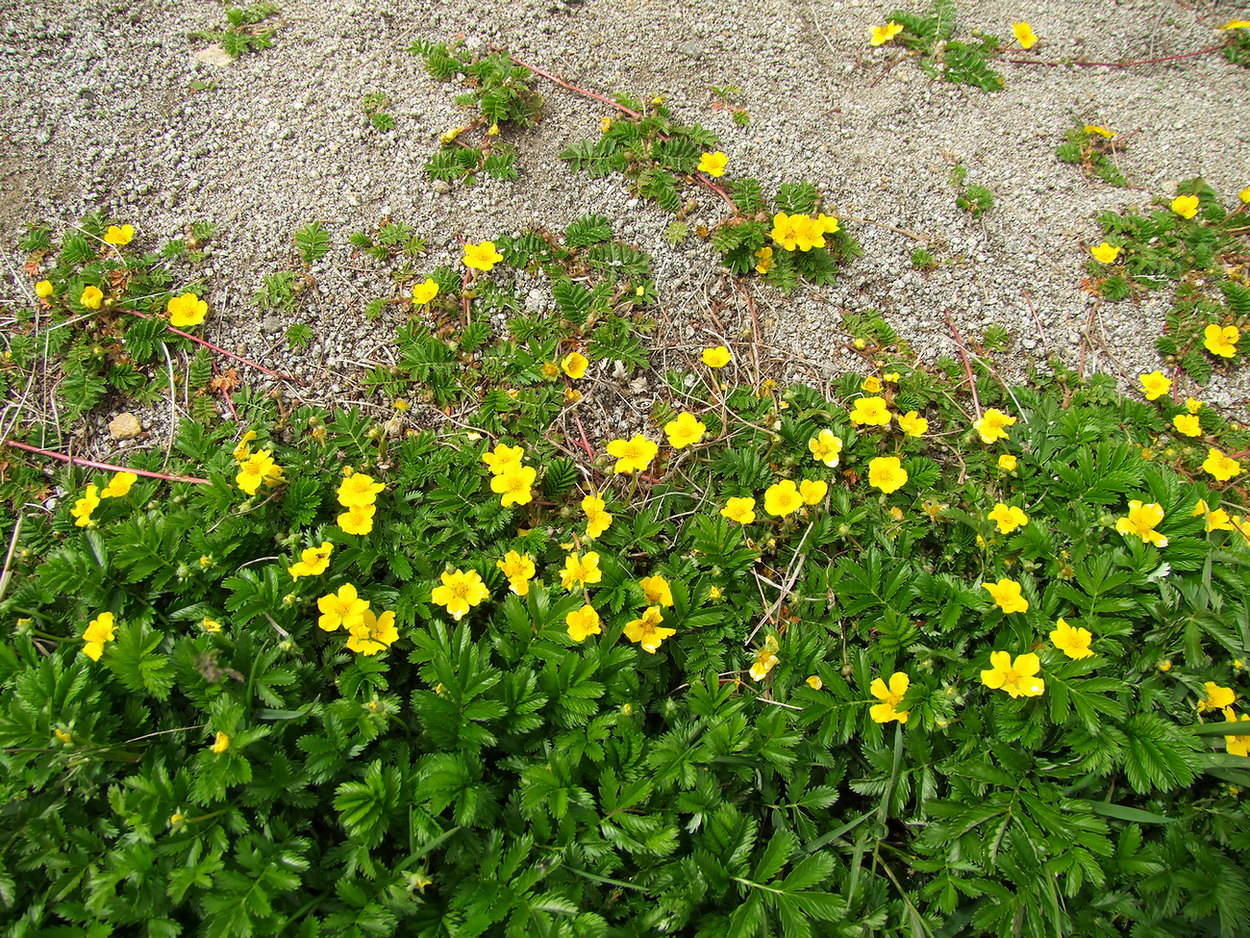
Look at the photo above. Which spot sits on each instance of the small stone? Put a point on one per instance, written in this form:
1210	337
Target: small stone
125	426
213	55
270	325
441	186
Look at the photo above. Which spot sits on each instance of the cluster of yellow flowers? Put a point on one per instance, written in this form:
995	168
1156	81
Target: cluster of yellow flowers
118	487
511	480
882	34
1219	465
358	493
368	633
802	231
255	467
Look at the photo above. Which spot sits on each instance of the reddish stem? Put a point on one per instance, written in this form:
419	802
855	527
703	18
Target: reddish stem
963	353
583	442
74	460
564	84
1125	64
222	351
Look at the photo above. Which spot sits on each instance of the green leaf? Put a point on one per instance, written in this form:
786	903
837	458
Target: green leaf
134	659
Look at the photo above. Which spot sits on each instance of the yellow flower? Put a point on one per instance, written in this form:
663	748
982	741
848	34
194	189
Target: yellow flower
1237	24
1018	678
813	491
826	447
993	425
1220	466
85	506
503	457
212	626
646	631
1236	745
221	743
684	431
519	569
422	293
871	384
763	260
1217	697
344	608
1155	385
605	124
871	411
890	696
1105	253
1007	462
1217	519
891	376
493	131
514	485
1188	424
459	592
359	489
374	634
254	470
716	357
800	231
598	519
632	455
713	163
574	365
119	236
583	623
119	485
481	256
99	632
91	298
1221	341
1165	665
814	682
1006	593
244	449
1072	642
1244	195
765	659
186	310
741	510
887	474
1193	405
550	370
825	224
782	498
913	424
883	34
1024	34
400	405
1008	518
357	520
656	591
44	289
313	561
450	136
1186	206
713	593
177	819
1101	131
580	571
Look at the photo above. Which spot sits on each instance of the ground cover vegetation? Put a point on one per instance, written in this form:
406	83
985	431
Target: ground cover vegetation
915	652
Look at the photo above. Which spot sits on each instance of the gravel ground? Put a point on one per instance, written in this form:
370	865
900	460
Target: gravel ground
97	111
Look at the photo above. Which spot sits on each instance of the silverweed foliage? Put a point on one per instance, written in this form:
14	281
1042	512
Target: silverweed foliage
872	660
1197	248
499	91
